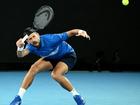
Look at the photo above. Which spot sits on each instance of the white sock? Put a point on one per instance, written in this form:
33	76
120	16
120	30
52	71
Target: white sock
74	92
21	92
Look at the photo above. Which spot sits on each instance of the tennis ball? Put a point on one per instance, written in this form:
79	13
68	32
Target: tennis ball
125	2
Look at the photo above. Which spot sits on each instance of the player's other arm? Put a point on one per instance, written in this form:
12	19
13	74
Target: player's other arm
21	52
78	32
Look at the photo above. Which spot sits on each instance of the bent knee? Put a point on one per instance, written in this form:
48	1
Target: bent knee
55	76
33	69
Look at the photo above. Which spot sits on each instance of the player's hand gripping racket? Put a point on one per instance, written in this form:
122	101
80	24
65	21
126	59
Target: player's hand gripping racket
42	18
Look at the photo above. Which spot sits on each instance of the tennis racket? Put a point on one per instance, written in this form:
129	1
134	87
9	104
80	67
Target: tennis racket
42	18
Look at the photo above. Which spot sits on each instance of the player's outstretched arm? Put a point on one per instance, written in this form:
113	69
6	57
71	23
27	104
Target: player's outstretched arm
21	52
78	32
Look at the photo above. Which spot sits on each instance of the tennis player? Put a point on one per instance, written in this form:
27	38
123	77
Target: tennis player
55	53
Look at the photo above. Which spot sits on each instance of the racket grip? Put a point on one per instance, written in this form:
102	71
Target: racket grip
24	38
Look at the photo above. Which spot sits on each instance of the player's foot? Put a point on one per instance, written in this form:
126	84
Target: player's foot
79	100
16	101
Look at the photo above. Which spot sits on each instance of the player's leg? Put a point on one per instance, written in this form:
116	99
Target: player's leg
58	74
38	66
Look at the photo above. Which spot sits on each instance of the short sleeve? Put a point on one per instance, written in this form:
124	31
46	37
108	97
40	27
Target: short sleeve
29	47
60	36
56	38
63	36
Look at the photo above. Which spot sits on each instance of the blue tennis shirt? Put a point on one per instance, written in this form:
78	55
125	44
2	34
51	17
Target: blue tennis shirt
52	46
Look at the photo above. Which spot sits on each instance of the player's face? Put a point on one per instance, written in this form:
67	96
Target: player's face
34	39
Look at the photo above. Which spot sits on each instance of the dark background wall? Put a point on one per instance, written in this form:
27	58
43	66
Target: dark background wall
111	26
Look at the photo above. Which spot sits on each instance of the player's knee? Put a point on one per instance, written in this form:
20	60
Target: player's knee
55	76
33	69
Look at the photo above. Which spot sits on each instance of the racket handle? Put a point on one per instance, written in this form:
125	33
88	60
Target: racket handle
24	38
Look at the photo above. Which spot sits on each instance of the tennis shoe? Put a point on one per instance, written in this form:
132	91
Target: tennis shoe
79	100
16	101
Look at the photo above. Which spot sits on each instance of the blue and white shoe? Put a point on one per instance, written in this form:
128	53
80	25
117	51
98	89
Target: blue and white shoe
16	101
79	100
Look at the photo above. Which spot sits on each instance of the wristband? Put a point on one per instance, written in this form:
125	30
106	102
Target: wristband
20	48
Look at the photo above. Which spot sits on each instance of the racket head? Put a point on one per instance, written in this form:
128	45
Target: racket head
43	16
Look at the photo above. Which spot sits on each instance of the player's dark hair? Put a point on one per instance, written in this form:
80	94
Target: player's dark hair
29	31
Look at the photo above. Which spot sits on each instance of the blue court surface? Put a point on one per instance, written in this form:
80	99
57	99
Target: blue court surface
98	88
